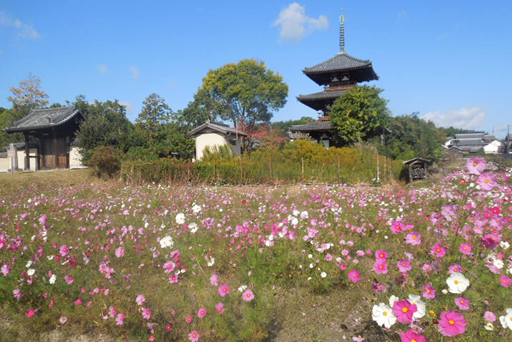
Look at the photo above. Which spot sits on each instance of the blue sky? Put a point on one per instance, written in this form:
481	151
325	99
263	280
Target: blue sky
447	60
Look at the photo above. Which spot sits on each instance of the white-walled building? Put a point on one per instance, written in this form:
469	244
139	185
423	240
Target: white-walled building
216	134
494	147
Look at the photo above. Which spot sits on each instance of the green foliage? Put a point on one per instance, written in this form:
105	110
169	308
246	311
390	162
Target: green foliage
359	114
244	93
153	117
285	126
106	161
7	117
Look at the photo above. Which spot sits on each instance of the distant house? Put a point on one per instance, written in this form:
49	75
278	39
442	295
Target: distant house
470	142
494	147
55	129
213	134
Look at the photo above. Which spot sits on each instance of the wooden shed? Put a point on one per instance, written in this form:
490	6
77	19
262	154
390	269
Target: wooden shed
417	168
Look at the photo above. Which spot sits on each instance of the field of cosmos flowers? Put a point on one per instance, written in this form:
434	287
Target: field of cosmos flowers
118	262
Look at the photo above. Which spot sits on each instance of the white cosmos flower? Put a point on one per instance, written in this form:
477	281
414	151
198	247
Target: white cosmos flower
457	283
31	271
53	278
489	326
29	263
421	305
180	218
210	261
196	208
392	300
166	242
193	227
242	288
498	263
506	321
304	215
383	315
323	274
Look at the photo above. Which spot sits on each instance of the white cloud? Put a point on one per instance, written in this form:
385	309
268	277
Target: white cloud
295	24
466	118
128	105
136	73
103	68
23	30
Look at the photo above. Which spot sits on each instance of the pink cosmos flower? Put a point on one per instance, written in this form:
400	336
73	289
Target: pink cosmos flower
214	280
69	279
505	281
465	248
248	295
193	336
428	291
168	327
63	320
120	252
5	270
404	310
452	323
120	319
489	316
487	181
219	308
413	238
17	294
412	336
146	313
78	301
64	250
169	266
380	254
476	165
438	250
449	212
491	241
354	275
173	278
140	299
380	266
112	311
404	266
188	319
30	313
462	303
224	290
455	269
201	313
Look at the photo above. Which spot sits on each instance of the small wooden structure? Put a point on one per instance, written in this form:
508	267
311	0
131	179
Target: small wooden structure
417	168
55	128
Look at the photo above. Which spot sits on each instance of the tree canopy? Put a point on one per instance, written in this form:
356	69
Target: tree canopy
28	94
359	114
245	93
154	115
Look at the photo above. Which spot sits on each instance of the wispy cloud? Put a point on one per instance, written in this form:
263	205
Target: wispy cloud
23	30
466	118
128	105
296	24
135	72
103	68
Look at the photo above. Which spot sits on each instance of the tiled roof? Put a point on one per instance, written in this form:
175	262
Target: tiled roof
470	136
342	61
323	95
44	118
312	126
216	127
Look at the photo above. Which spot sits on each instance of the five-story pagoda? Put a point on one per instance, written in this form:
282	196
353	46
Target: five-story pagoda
336	75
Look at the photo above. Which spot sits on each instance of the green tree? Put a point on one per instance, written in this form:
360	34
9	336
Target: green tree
28	94
359	114
198	111
244	93
154	115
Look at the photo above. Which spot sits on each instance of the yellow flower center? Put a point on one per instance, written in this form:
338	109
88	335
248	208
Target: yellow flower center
405	309
414	237
452	322
456	282
475	164
385	313
414	341
462	302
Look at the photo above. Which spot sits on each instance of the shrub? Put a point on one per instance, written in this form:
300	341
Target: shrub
106	161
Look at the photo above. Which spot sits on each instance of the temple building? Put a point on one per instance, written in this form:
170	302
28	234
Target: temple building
337	75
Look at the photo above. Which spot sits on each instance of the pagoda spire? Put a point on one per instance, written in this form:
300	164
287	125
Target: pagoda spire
342	33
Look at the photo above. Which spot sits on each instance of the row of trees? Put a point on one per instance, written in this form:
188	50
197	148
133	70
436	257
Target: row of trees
244	93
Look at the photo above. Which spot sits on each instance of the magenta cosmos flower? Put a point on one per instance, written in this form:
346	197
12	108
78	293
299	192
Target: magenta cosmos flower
169	266
140	299
476	165
201	313
490	316
462	303
465	248
412	336
381	254
219	308
248	295
193	336
354	275
404	266
487	181
452	323
214	280
428	291
380	266
438	250
413	238
146	313
30	313
491	241
224	290
404	311
120	318
505	281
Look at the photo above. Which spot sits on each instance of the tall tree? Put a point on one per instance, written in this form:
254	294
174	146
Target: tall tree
154	115
28	94
245	93
359	114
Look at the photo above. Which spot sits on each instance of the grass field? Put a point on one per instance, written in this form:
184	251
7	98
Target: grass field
88	260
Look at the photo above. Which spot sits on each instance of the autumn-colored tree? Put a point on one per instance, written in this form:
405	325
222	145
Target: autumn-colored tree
269	136
28	94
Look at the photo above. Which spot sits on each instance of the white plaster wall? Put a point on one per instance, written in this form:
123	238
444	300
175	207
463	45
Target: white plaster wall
5	164
75	158
208	139
20	154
